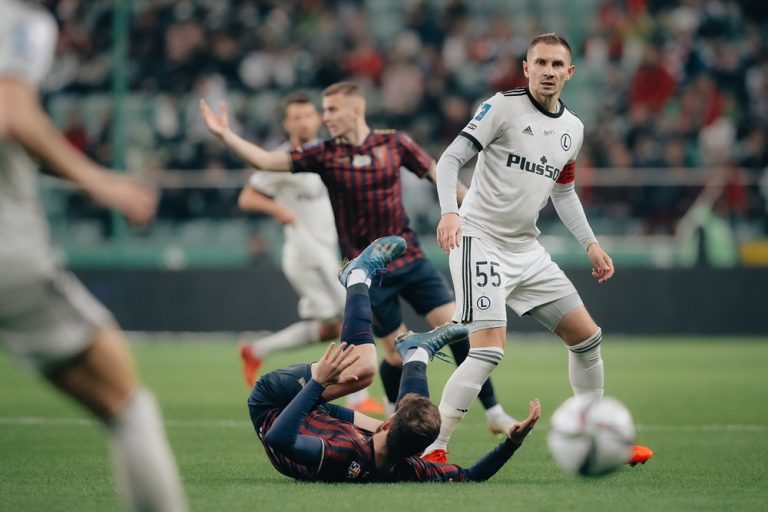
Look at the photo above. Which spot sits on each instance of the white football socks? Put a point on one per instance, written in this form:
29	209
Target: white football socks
461	390
585	366
416	354
357	276
143	464
295	335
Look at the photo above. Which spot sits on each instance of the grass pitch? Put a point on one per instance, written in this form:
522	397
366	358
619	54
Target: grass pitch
699	403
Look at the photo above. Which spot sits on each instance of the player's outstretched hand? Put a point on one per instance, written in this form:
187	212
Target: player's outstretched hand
449	232
218	124
330	367
135	200
521	429
602	264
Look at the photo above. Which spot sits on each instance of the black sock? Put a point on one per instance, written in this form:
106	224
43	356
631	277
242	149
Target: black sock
487	395
356	329
414	380
390	378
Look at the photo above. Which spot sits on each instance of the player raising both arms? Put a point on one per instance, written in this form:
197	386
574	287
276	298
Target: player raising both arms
48	320
361	170
308	439
527	142
310	263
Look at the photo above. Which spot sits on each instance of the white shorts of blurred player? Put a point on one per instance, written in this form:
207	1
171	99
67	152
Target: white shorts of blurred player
315	277
487	278
48	321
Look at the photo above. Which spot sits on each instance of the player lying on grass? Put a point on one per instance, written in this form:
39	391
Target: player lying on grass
307	438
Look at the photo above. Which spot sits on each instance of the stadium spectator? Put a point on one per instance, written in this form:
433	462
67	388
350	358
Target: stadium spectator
465	53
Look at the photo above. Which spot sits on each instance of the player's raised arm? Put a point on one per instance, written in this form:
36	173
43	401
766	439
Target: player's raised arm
256	156
24	121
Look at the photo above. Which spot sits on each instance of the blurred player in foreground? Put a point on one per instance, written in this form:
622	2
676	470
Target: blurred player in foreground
307	438
310	263
48	320
526	142
361	170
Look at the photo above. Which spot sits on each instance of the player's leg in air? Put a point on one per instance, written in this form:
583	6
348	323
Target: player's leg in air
356	276
417	349
321	306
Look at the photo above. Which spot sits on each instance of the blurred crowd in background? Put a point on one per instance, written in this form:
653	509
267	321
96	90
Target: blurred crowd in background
659	84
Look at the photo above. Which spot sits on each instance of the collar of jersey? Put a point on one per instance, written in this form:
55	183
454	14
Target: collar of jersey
542	110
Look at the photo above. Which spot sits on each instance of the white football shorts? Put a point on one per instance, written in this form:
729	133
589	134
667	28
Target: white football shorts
316	280
486	279
50	320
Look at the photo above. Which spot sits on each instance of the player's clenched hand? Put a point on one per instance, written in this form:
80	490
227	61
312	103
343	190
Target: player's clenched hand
449	232
519	430
602	264
330	367
218	124
135	200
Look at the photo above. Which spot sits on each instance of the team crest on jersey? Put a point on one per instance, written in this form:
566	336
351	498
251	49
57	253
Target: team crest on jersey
354	470
483	303
565	142
484	108
361	161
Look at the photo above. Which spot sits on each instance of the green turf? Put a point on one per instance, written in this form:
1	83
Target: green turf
700	403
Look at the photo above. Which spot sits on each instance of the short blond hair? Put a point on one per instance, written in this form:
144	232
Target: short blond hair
345	88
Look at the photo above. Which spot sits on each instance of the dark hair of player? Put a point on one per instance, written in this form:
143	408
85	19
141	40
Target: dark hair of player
415	426
296	98
550	38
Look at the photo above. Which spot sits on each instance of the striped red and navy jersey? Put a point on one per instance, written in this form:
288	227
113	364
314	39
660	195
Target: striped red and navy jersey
347	451
348	456
363	183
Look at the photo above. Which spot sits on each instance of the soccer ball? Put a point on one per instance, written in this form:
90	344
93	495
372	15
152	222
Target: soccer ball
591	436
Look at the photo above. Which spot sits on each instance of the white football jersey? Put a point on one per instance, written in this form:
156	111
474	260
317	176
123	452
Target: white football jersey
306	196
28	37
27	40
523	151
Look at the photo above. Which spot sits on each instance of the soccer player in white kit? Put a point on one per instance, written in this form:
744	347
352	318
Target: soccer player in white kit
526	142
48	320
310	263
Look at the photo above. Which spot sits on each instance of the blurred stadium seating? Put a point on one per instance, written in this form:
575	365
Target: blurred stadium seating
674	97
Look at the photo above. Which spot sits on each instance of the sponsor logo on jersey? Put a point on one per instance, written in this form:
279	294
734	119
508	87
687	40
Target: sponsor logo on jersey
361	160
484	108
527	131
565	142
549	132
471	126
483	303
380	154
542	168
